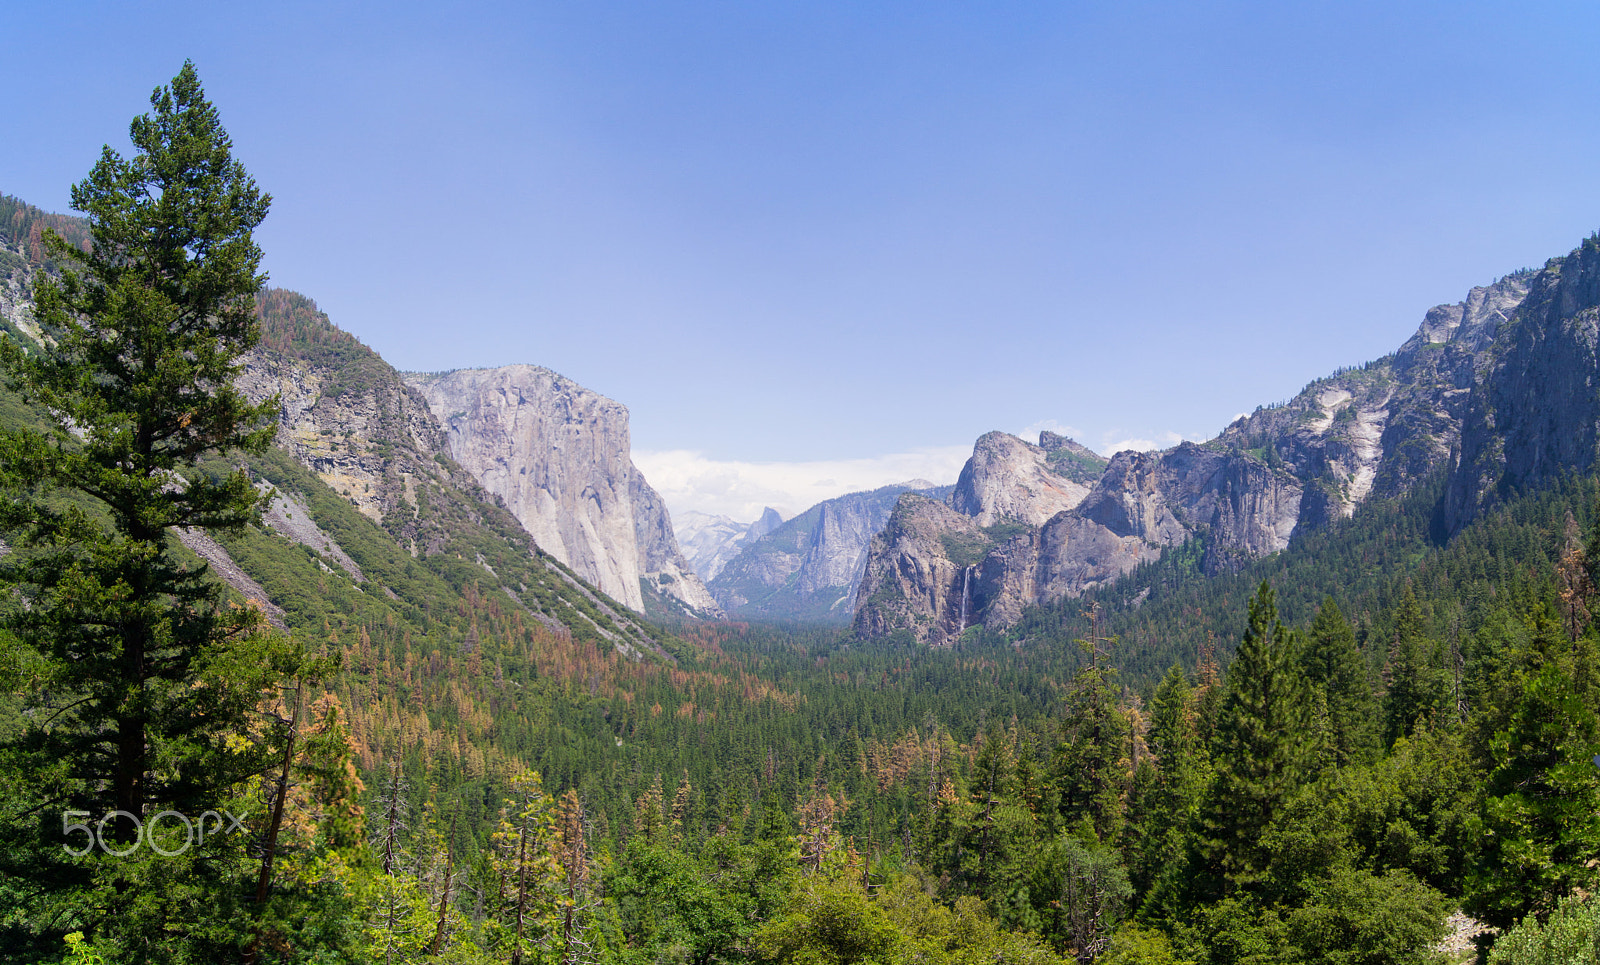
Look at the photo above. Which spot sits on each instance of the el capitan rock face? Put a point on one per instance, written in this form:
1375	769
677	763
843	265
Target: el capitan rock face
558	455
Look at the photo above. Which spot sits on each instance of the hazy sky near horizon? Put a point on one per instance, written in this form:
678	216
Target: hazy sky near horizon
814	242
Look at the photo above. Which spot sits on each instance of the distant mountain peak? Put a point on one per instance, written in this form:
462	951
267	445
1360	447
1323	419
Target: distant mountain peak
809	566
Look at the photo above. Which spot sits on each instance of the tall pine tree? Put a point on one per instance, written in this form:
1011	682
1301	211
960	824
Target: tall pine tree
1260	749
1416	675
1336	672
143	678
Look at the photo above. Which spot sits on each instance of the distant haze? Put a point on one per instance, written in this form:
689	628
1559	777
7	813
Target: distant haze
693	481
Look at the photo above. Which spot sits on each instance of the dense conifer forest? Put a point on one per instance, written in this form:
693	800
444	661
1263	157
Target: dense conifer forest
1328	756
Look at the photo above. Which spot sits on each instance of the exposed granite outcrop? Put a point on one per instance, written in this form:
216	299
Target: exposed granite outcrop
1008	479
1143	503
558	455
372	444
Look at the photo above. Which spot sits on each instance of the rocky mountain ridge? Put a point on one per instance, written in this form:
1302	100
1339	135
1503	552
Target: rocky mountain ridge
1380	429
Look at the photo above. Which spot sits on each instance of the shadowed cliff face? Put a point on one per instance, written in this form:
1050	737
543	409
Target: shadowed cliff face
1505	378
1534	409
558	455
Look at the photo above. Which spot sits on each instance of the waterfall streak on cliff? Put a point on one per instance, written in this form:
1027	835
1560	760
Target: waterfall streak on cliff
966	598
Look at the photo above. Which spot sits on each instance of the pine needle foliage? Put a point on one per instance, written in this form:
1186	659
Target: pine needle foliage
138	671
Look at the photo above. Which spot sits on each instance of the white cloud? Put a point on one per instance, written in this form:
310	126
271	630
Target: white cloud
690	480
1031	431
1138	445
1166	441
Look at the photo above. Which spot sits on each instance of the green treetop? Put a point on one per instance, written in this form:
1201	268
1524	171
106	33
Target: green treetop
1260	741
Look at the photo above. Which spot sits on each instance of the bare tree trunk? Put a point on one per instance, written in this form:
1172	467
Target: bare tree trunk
269	847
522	889
444	893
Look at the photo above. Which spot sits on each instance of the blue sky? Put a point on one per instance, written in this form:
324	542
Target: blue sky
836	242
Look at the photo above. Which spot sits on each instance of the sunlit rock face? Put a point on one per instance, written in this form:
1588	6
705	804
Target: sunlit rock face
1497	391
1009	479
558	455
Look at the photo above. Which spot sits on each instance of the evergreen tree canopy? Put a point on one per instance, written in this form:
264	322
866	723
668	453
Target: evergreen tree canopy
1260	741
143	680
1336	672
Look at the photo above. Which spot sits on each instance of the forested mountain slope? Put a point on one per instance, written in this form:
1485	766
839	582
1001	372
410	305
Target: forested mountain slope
1203	771
358	438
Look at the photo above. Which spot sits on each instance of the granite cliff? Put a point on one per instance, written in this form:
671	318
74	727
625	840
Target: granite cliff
558	455
1497	390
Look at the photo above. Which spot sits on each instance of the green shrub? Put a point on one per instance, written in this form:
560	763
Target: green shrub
1133	945
1571	936
1359	918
